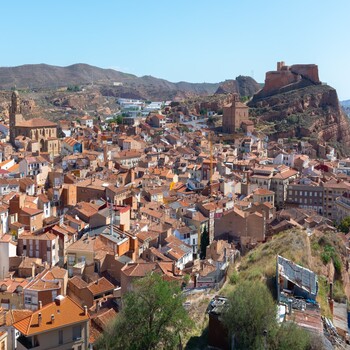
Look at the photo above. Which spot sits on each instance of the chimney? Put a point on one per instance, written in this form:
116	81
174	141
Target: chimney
59	299
33	270
40	318
52	319
40	304
85	310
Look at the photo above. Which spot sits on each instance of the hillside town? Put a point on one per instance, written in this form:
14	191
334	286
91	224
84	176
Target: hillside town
88	206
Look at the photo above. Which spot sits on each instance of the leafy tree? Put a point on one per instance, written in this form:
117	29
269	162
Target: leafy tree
251	318
74	88
289	336
119	119
153	317
244	99
204	242
344	225
251	312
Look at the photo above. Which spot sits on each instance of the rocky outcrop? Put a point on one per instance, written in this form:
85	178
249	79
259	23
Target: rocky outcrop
78	101
311	112
28	105
244	86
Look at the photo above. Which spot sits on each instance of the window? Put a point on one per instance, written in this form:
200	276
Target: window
71	259
60	337
27	300
77	332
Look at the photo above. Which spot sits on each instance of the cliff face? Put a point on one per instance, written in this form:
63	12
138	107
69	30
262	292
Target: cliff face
311	112
242	85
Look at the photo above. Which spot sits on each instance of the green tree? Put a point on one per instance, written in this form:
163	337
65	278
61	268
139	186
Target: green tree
344	225
251	312
289	336
153	317
251	318
204	243
119	119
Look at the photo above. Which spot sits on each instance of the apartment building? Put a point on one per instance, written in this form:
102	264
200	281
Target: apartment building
60	325
306	194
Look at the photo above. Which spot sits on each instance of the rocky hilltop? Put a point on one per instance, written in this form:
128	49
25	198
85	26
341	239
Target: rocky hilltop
295	104
244	86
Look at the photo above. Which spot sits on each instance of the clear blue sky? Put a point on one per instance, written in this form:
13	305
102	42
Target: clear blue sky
181	40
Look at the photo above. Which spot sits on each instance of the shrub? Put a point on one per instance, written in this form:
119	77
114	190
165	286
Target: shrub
234	277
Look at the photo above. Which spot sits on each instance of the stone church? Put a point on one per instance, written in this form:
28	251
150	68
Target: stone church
235	113
41	133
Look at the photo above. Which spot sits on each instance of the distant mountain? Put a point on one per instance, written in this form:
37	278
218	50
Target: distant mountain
43	76
346	106
345	103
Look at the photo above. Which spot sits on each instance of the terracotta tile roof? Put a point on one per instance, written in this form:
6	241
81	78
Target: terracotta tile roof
6	238
14	168
31	211
27	181
177	248
66	313
87	209
36	123
70	141
159	255
263	191
43	285
286	174
27	262
100	286
46	236
78	282
147	236
11	285
13	316
138	269
58	272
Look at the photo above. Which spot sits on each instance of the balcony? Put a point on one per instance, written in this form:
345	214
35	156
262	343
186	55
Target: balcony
26	343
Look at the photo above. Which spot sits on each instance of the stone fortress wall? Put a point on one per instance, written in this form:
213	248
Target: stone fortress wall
287	75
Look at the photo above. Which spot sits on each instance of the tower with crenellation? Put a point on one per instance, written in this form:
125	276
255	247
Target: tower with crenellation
234	114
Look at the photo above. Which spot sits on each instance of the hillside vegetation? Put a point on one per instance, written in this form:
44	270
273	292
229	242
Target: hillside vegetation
323	253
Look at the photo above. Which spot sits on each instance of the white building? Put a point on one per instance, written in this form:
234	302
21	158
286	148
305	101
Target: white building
87	121
7	250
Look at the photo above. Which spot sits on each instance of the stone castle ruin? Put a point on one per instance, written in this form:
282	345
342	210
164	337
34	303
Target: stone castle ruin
287	78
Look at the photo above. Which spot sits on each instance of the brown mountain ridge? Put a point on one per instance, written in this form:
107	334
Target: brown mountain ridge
110	82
